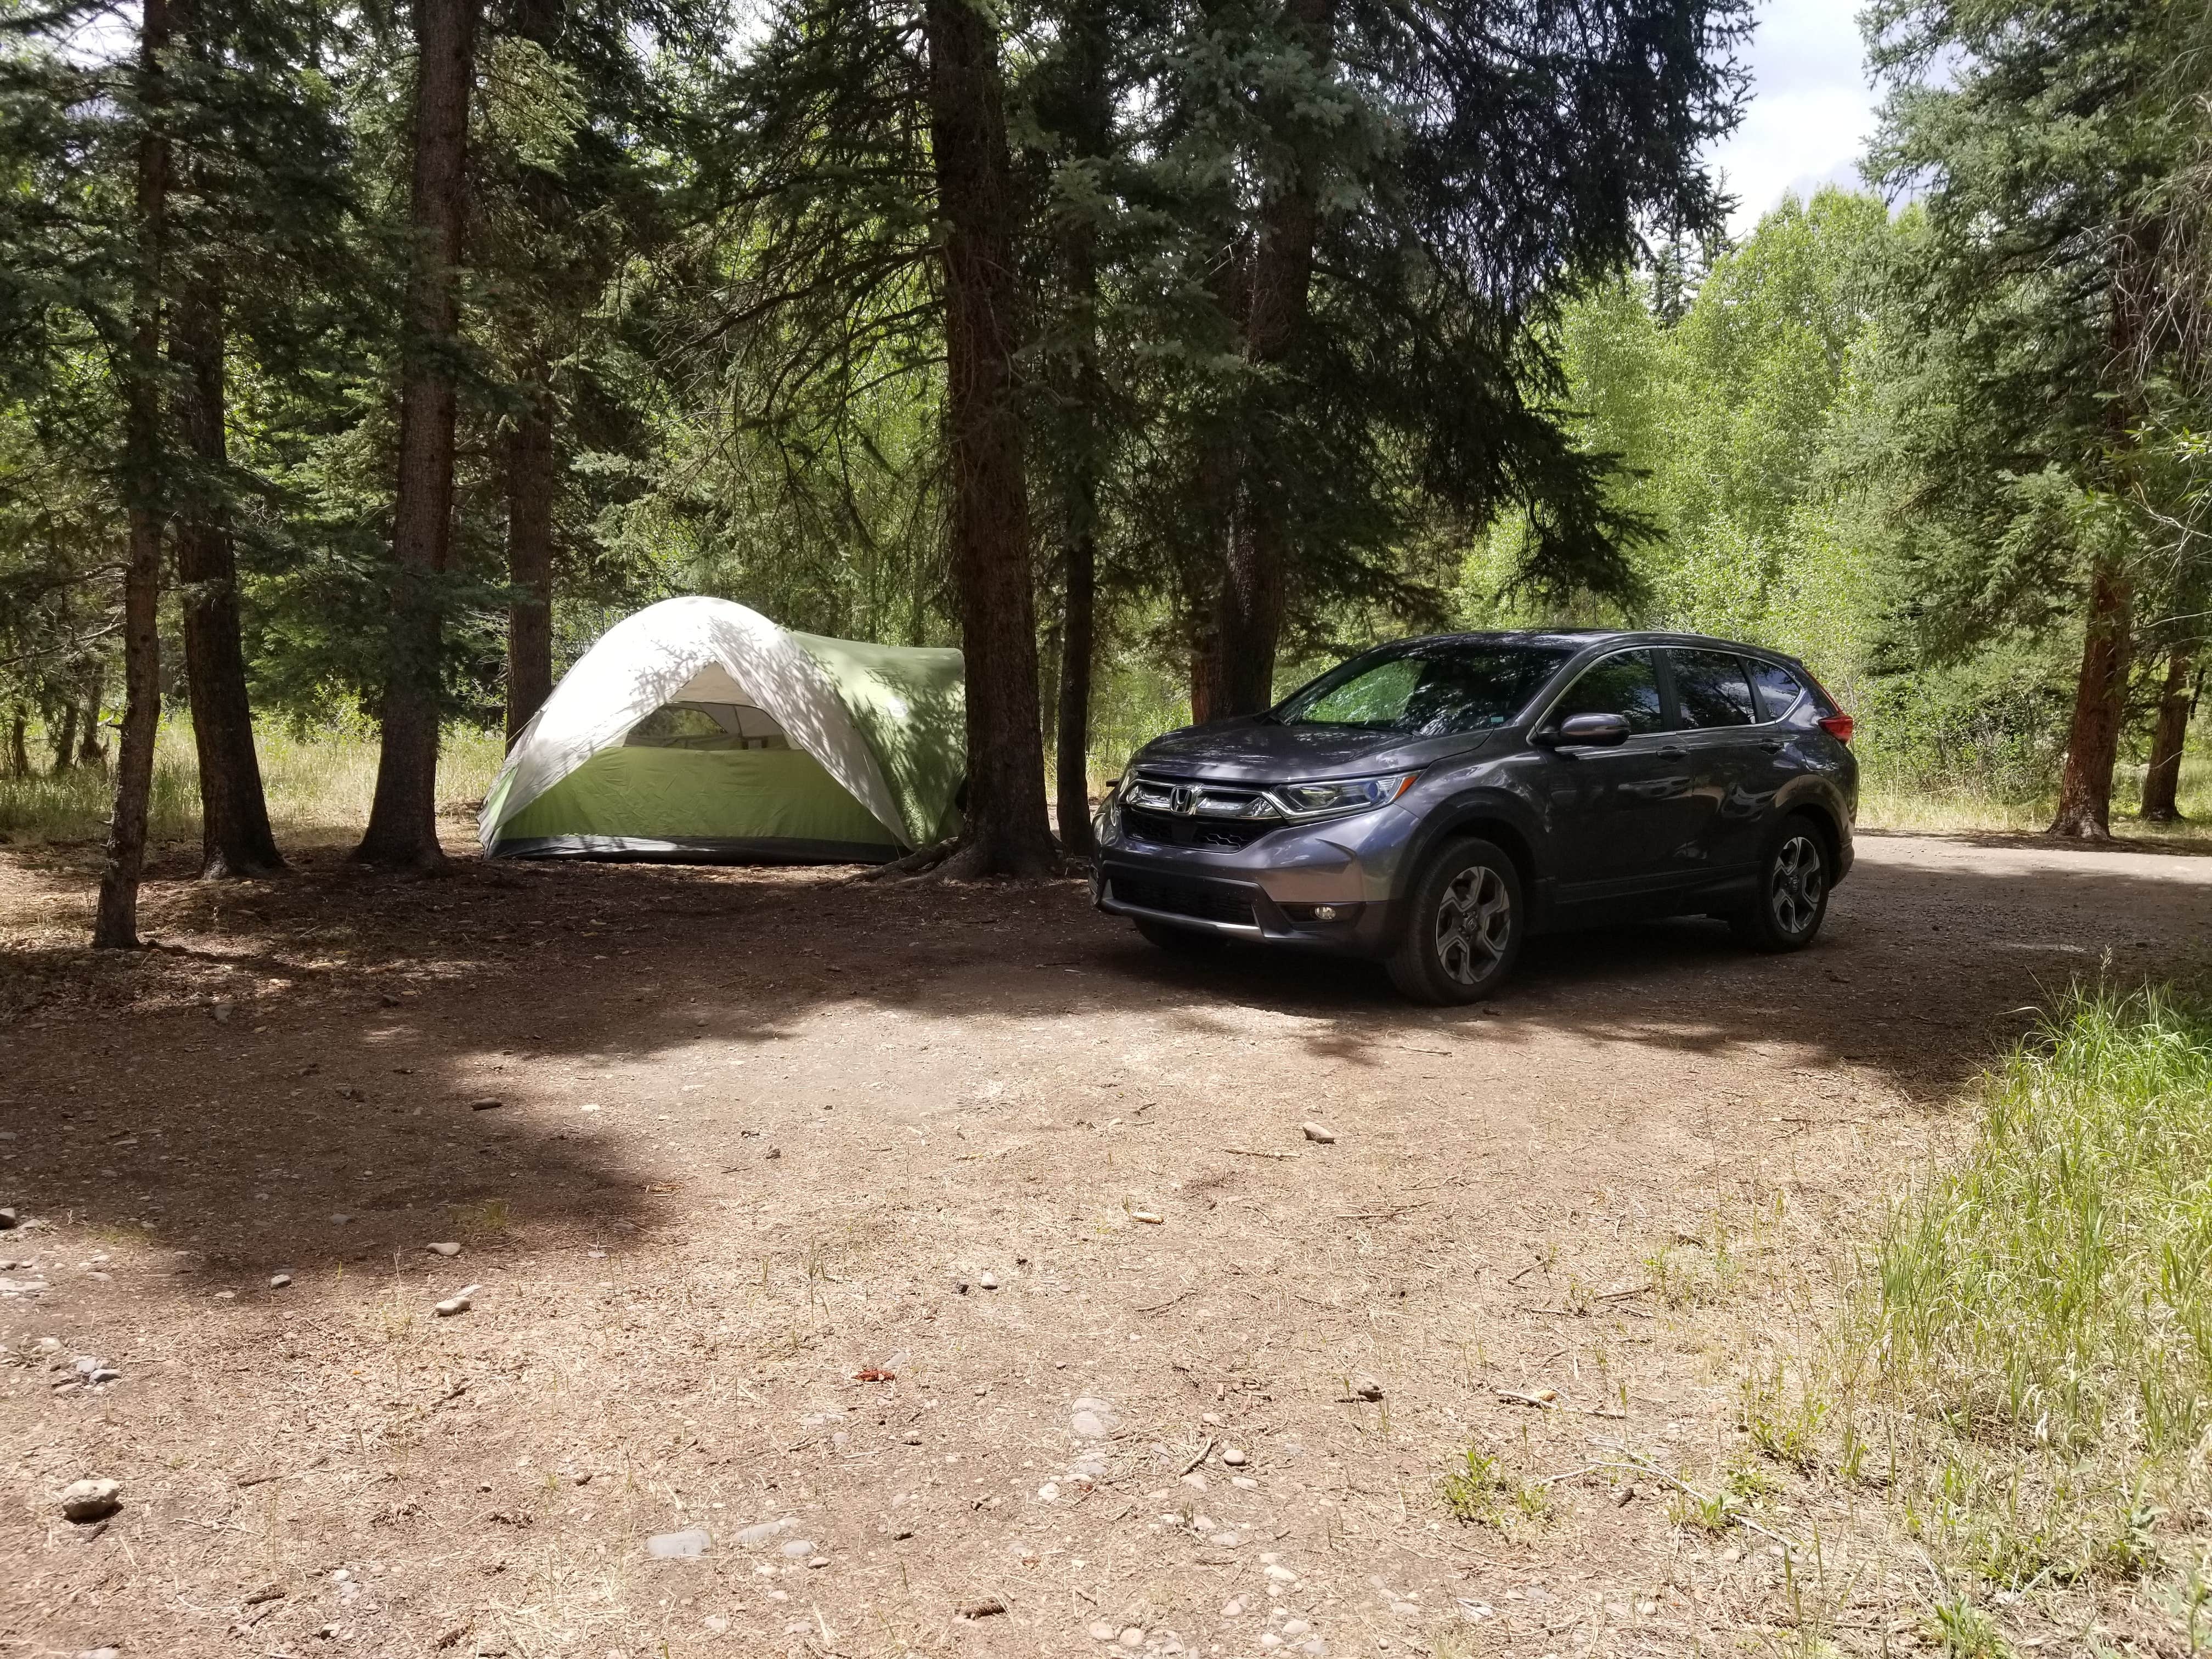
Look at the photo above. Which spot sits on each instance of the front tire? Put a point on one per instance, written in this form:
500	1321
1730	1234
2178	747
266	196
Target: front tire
1463	926
1178	941
1793	883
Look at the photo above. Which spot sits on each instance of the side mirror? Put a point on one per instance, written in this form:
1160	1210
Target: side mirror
1586	732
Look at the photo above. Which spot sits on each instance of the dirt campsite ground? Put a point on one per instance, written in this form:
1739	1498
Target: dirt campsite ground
939	1270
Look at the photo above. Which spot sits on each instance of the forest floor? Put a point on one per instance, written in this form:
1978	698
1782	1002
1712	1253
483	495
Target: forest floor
945	1271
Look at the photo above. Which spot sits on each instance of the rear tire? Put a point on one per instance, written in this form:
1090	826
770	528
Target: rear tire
1179	941
1463	926
1795	879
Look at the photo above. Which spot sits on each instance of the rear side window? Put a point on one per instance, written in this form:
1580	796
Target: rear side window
1626	684
1712	688
1778	689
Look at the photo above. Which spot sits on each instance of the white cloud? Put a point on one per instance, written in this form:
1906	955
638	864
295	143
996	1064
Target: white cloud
1811	109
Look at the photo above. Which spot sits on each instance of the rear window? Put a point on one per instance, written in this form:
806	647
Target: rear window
1780	690
1711	689
1429	689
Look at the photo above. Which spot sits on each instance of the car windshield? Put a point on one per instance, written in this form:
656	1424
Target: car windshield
1429	689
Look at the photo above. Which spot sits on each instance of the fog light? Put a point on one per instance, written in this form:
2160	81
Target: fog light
1324	912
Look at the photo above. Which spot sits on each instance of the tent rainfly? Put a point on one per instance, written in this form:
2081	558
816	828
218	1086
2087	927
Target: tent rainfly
697	731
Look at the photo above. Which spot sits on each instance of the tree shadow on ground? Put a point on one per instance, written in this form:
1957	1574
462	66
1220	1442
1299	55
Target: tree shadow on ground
310	1048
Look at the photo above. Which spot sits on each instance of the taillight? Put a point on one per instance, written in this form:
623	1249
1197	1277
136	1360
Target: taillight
1838	727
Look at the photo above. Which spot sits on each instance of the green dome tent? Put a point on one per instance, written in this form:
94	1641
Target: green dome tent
698	731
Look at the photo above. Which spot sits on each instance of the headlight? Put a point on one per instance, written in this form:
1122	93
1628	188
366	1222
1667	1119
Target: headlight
1320	800
1142	791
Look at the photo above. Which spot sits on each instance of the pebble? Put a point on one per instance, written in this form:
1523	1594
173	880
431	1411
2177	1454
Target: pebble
1243	1482
340	1218
1100	1631
101	1653
1227	1541
799	1548
773	1151
1132	1636
93	1499
818	1561
447	1249
718	1622
1281	1574
765	1532
458	1302
278	1282
1089	1425
686	1545
1232	1608
489	1104
1232	1457
1150	1217
988	1281
1316	1132
1049	1491
225	1296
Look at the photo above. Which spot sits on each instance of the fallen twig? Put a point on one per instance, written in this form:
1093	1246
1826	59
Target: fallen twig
1203	1452
1255	1152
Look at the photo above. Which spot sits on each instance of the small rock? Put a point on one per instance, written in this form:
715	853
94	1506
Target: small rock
1243	1482
1232	1608
489	1104
718	1622
1150	1217
799	1548
1132	1636
1327	1137
909	1438
93	1499
1281	1574
988	1281
447	1249
1049	1491
278	1282
773	1151
1088	1425
1227	1541
225	1296
458	1302
340	1218
1366	1388
1233	1457
817	1561
766	1531
686	1545
1645	1609
101	1653
1100	1631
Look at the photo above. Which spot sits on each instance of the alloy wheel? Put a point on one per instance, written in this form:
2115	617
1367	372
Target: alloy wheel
1799	881
1475	923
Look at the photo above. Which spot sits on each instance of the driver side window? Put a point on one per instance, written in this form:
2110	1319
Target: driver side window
1625	683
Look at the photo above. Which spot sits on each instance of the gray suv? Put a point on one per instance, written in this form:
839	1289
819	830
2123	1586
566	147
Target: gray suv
1434	802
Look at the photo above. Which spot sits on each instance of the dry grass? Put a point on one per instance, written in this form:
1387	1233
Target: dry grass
319	784
1964	805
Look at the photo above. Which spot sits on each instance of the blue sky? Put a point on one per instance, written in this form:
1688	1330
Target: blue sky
1811	109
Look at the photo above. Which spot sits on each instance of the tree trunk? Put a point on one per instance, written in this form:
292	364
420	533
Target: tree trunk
19	752
90	751
531	481
1253	599
64	737
1007	828
1077	651
403	822
2162	779
235	838
2092	743
115	919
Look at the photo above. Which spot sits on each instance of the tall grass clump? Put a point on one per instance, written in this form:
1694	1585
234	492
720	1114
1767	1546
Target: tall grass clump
2039	1314
2059	1281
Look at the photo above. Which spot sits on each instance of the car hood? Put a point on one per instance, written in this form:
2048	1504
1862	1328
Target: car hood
1251	751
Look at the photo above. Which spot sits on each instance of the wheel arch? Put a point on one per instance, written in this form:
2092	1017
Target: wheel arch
1823	815
1477	820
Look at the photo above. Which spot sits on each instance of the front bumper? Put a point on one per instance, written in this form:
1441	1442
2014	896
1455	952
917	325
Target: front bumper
1326	885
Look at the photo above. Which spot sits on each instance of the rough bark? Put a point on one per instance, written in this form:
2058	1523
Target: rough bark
2169	738
90	751
1008	831
1253	592
235	838
19	751
115	917
1077	651
402	828
531	480
2093	742
64	738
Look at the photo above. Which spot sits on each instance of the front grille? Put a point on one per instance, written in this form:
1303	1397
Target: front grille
1184	898
1170	829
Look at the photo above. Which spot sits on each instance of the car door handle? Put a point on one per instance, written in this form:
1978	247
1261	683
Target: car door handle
1672	751
1772	746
